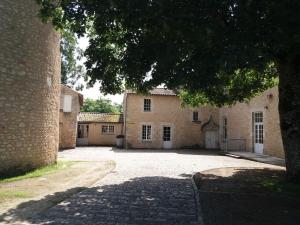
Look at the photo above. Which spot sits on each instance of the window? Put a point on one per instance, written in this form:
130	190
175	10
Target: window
108	129
146	132
167	134
259	127
225	129
195	116
147	105
82	131
67	103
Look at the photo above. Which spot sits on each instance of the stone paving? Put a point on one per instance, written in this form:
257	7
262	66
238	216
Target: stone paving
147	187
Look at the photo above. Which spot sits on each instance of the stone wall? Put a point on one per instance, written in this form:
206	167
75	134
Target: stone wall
29	88
68	120
165	111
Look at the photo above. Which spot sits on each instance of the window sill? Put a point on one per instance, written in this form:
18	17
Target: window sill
146	141
196	121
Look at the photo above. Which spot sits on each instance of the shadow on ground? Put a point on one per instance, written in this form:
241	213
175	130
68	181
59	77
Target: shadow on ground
238	196
177	151
140	201
188	151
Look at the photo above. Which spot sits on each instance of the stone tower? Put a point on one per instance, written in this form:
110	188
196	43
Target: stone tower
29	88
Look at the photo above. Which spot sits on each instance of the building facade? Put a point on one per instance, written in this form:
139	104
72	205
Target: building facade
99	129
159	121
29	88
70	103
253	126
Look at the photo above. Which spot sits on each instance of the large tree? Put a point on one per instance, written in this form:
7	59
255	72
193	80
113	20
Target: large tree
71	54
221	50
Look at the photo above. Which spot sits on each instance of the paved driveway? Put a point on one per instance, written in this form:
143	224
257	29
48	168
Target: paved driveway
147	187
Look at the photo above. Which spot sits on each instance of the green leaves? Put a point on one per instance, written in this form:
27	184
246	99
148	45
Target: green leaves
101	105
219	49
71	70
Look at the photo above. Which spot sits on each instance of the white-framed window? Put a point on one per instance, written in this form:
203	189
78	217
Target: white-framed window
146	132
108	129
67	103
225	134
259	127
195	116
147	105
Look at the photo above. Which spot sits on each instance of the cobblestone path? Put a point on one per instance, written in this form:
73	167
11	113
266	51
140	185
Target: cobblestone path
147	187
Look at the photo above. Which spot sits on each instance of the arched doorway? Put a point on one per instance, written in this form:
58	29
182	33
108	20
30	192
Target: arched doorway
211	134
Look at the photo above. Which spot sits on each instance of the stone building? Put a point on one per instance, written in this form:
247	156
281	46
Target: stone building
29	88
70	103
253	126
159	121
99	129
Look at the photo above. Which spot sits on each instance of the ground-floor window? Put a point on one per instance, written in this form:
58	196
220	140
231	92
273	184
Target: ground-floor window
146	132
108	129
167	134
82	131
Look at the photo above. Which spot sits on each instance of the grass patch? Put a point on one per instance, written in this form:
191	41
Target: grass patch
60	165
281	186
14	194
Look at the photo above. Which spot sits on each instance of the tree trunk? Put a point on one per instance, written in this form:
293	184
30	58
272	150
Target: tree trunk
289	112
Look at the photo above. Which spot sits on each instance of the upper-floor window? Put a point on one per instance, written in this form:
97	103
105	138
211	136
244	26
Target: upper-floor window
146	132
108	129
195	116
147	105
67	103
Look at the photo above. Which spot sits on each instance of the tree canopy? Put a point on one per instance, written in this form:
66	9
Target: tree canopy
71	70
101	105
224	50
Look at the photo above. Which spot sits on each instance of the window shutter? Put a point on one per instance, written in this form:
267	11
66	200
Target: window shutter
67	103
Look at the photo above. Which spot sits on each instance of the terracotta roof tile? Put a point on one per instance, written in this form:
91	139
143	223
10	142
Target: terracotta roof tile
157	91
95	117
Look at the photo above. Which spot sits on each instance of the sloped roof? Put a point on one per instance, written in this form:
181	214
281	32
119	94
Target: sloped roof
80	96
94	117
157	91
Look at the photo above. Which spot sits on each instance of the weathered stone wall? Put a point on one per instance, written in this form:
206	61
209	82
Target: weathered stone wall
68	120
239	117
165	110
29	87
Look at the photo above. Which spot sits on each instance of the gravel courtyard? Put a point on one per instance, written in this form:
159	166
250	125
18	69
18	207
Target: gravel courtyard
147	187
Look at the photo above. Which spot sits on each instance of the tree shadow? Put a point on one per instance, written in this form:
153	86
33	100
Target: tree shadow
241	196
144	200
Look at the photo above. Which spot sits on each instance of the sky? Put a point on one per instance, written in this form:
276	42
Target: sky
94	92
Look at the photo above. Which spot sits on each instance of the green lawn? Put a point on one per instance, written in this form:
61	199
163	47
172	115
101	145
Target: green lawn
60	165
282	186
14	194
